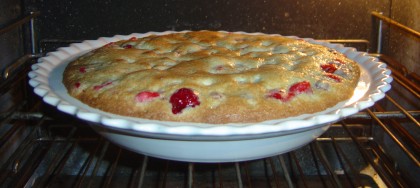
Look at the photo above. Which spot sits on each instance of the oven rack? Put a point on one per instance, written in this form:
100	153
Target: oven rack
45	149
42	148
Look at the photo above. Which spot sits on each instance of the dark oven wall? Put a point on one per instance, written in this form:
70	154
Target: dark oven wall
90	19
320	19
11	42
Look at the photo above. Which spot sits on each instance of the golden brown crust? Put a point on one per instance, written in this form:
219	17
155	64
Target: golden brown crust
235	76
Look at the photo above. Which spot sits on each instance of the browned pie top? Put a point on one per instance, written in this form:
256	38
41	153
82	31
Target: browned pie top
212	77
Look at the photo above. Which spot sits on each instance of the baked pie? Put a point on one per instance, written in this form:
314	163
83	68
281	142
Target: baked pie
212	77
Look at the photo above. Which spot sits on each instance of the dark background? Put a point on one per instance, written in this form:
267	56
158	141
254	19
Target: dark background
320	19
91	19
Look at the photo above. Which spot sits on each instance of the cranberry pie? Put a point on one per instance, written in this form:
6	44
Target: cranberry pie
212	77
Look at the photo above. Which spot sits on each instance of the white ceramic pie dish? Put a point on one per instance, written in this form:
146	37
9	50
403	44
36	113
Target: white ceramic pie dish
205	142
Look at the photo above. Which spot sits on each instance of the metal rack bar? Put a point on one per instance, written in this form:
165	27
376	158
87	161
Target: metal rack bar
190	175
26	170
14	158
142	171
165	174
98	162
407	84
337	139
397	24
273	171
394	138
7	119
379	37
18	115
359	41
18	64
399	73
61	165
343	159
366	157
19	22
386	164
111	173
298	166
286	172
58	158
238	175
387	115
219	175
32	33
408	115
12	68
317	166
400	130
248	177
86	168
333	177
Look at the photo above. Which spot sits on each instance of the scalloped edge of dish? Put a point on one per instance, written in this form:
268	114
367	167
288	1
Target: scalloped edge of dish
377	82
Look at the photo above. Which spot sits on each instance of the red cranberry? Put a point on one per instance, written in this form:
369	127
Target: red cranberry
98	87
183	98
146	96
82	69
329	68
334	77
301	87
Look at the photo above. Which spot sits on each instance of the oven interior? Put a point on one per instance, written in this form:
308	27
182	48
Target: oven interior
41	147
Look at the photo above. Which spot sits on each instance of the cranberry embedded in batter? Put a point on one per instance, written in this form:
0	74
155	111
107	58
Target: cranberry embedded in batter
77	84
183	98
329	68
128	46
109	44
332	76
219	68
300	87
98	87
295	89
146	96
82	69
280	95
